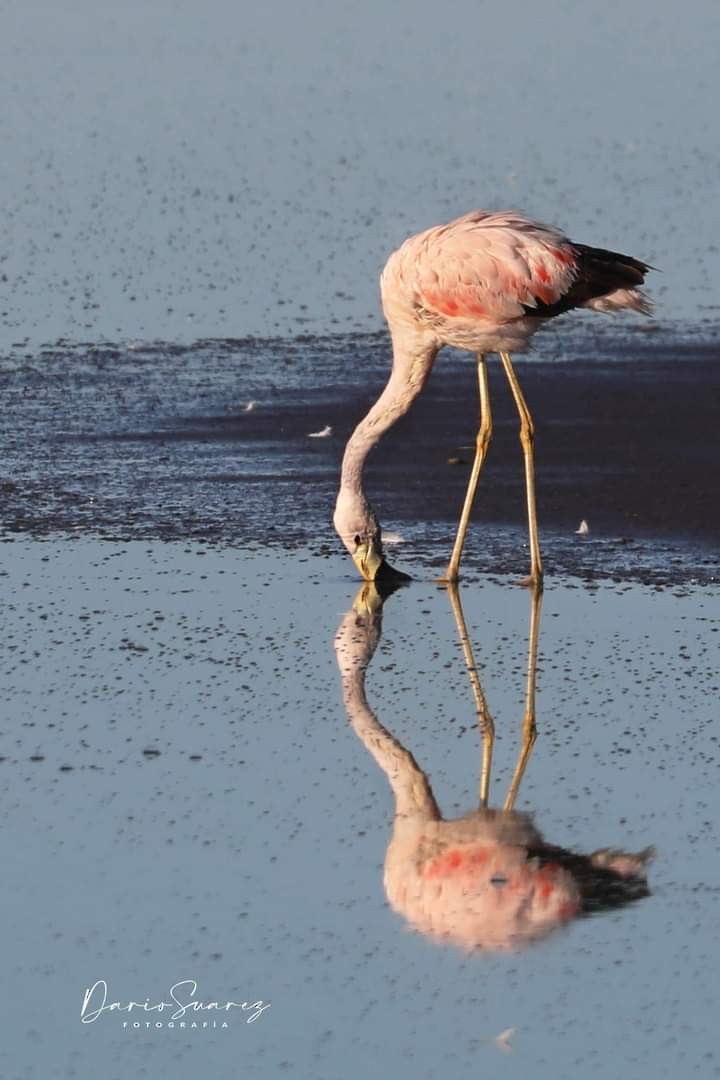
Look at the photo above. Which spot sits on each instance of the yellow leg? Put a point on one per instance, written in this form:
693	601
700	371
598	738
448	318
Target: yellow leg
483	441
527	433
485	720
529	731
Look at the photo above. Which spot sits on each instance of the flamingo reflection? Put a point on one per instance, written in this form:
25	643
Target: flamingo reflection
487	880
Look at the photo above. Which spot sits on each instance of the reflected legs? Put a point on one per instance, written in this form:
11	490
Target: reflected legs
485	720
529	729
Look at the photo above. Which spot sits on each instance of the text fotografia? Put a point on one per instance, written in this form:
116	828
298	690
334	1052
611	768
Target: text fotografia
182	1009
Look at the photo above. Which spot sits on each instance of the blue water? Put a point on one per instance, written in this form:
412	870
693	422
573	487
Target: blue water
184	797
174	172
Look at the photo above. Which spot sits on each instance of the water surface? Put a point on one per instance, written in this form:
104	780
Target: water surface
193	803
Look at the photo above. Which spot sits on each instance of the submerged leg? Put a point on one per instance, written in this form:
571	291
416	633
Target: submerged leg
529	731
485	720
483	441
527	432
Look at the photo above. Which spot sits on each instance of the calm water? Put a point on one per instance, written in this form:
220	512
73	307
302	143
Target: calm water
175	173
184	795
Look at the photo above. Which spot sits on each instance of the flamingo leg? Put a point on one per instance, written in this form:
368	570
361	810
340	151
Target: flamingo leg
485	720
483	441
527	434
529	730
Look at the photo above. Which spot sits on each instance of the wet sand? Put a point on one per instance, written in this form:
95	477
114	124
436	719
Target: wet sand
152	441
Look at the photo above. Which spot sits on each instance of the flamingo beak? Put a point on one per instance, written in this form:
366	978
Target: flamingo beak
371	563
368	558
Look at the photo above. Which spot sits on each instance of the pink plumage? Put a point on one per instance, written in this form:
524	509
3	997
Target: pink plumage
485	282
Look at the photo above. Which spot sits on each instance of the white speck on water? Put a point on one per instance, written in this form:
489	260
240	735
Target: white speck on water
502	1041
326	431
583	529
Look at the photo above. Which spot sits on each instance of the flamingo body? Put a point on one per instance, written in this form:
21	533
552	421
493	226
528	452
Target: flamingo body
487	281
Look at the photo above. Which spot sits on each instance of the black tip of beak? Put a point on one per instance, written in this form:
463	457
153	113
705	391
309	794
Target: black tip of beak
388	579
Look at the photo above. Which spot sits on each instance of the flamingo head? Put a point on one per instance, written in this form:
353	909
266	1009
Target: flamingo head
360	532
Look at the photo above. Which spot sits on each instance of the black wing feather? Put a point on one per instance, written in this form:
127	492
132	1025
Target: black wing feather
599	272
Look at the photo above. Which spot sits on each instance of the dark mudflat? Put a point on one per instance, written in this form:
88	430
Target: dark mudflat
632	447
157	441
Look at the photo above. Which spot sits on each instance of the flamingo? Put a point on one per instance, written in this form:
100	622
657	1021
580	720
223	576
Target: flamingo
487	880
486	283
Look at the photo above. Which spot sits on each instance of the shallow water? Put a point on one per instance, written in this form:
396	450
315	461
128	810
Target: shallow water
193	803
170	173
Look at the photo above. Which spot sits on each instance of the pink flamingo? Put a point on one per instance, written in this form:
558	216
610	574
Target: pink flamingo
489	879
485	282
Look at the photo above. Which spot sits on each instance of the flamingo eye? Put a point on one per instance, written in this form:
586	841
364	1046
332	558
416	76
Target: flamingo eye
498	879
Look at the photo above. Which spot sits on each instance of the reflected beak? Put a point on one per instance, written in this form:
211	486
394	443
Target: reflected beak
371	563
369	601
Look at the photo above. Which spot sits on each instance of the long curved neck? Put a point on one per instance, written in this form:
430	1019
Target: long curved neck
355	644
413	356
